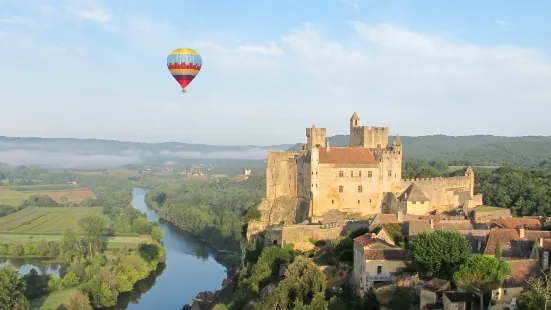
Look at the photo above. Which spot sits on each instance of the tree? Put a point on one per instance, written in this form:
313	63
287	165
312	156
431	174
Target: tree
220	307
70	245
482	273
157	233
12	290
440	252
93	227
537	295
303	288
77	301
498	250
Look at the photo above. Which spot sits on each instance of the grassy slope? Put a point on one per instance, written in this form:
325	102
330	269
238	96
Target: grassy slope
52	301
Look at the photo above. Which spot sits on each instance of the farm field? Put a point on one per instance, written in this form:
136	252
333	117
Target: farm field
45	220
16	195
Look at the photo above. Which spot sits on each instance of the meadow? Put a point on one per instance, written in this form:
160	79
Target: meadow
16	195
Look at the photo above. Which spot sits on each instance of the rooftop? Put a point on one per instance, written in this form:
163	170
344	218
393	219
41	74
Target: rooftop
514	222
436	285
413	193
346	155
521	271
455	296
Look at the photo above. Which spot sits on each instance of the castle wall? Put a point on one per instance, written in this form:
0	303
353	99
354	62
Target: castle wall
297	234
281	175
374	137
350	200
442	192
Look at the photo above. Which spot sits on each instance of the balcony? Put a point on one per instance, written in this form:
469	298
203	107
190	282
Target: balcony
379	277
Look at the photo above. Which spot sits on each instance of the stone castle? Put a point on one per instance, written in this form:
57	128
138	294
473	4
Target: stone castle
364	178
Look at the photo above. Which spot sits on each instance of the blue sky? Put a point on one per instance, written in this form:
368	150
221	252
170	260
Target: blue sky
97	69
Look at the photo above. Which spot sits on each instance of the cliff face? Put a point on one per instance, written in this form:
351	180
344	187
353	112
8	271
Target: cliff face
282	209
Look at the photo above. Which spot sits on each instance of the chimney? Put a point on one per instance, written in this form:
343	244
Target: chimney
373	235
540	242
328	146
431	221
400	215
521	232
545	260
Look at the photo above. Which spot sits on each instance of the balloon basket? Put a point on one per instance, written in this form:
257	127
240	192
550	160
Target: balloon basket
183	90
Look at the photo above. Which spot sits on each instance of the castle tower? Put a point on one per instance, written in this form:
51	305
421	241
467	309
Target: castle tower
397	145
316	136
355	134
470	174
314	180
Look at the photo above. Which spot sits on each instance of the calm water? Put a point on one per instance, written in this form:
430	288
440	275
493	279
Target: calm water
24	265
190	268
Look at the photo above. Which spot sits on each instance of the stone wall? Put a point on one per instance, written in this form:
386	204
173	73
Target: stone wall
442	192
281	172
485	216
328	197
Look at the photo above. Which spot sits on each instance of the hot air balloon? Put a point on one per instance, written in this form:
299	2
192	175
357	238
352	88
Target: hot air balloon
184	65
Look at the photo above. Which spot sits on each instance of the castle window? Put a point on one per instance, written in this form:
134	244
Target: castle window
360	173
414	202
360	189
317	185
341	189
358	202
312	172
389	173
395	176
332	201
341	174
369	174
378	146
351	174
369	200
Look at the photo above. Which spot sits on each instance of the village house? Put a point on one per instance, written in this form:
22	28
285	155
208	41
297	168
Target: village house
511	289
376	260
454	300
431	293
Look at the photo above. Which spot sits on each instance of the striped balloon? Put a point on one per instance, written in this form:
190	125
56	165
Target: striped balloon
184	65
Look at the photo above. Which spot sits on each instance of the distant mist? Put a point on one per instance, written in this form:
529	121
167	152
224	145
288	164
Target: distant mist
96	161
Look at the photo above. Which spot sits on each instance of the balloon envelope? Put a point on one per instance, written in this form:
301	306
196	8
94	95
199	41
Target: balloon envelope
184	64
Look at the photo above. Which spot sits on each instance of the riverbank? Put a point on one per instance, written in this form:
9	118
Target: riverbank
163	218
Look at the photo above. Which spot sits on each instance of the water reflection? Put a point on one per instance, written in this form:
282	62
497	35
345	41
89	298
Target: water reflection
24	266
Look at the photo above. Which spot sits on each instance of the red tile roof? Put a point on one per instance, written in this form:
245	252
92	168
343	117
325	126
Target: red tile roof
514	222
346	155
378	249
510	242
521	271
436	285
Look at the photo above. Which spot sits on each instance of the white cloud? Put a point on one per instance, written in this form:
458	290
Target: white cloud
18	20
353	3
271	49
95	14
502	23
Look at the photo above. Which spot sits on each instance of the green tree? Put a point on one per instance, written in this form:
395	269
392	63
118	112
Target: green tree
16	250
157	234
93	227
77	301
303	288
12	290
54	283
482	273
70	245
43	248
439	253
498	250
70	280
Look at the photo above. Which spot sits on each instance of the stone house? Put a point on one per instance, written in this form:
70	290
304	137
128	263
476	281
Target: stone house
515	243
511	289
431	293
414	201
375	261
454	300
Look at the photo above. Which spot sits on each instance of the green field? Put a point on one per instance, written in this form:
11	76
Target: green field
487	208
53	301
45	220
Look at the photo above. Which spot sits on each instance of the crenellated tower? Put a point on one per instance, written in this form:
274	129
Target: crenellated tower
367	136
316	137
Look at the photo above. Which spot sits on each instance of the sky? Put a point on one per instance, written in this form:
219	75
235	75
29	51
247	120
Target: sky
97	69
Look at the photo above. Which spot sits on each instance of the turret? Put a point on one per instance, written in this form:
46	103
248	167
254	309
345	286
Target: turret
470	174
355	134
397	145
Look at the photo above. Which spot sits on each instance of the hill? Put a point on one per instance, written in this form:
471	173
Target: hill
456	150
470	150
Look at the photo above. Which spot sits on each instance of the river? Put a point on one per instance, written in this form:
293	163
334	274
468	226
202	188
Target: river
190	267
